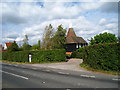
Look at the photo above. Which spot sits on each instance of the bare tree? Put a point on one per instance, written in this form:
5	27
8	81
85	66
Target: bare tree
48	34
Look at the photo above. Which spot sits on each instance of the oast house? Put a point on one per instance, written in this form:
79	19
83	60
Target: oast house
73	42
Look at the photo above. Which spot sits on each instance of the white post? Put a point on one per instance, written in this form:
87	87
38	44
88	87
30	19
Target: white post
30	57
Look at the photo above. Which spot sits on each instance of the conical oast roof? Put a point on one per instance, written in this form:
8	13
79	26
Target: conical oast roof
71	33
72	38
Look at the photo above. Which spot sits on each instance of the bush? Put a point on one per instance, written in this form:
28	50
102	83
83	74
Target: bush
101	56
37	56
79	53
13	47
68	56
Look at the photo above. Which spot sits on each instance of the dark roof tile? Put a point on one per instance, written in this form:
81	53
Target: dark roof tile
72	38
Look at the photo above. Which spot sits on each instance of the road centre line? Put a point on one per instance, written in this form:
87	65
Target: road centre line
15	65
116	79
14	74
87	76
63	73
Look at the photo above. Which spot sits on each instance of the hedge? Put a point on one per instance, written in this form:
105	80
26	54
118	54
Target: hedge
101	56
37	56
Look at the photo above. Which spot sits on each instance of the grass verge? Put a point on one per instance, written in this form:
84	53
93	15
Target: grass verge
11	62
88	68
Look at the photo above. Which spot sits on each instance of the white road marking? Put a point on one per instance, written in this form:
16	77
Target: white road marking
68	89
14	74
63	73
84	75
92	76
78	84
87	76
43	82
116	79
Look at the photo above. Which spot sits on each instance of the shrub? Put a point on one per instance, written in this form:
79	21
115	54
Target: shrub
68	56
79	53
101	56
37	56
13	47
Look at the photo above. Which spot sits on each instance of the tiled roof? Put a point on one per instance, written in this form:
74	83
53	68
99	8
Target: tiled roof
8	44
81	40
69	53
72	38
71	32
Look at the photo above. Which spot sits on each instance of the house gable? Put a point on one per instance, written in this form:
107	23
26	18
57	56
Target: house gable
6	45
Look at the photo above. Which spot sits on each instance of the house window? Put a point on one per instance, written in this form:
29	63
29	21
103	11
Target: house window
77	45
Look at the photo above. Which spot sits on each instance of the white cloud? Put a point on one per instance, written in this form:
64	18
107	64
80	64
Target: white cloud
108	31
91	5
110	26
13	35
34	18
102	21
23	13
8	39
108	0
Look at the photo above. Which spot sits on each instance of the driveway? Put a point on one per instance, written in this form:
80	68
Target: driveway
72	64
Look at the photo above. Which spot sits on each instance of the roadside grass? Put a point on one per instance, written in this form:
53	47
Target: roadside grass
12	62
88	68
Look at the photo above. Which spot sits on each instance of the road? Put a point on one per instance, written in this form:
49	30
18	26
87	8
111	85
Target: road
23	76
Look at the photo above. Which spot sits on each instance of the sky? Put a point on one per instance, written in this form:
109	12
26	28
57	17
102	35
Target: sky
18	18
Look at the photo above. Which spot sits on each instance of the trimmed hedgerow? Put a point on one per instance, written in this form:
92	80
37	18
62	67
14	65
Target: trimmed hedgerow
37	56
101	56
48	56
20	56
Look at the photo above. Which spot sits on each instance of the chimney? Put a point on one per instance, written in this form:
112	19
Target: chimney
14	42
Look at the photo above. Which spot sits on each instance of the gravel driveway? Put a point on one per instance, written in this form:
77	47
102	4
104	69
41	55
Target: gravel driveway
72	64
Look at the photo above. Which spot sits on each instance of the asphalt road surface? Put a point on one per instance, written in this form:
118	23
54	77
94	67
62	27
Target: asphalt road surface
23	76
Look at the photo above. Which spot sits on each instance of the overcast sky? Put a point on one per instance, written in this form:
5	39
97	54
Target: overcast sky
87	18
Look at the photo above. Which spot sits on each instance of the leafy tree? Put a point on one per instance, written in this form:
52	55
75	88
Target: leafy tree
13	47
26	46
103	38
39	44
59	38
35	47
48	34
